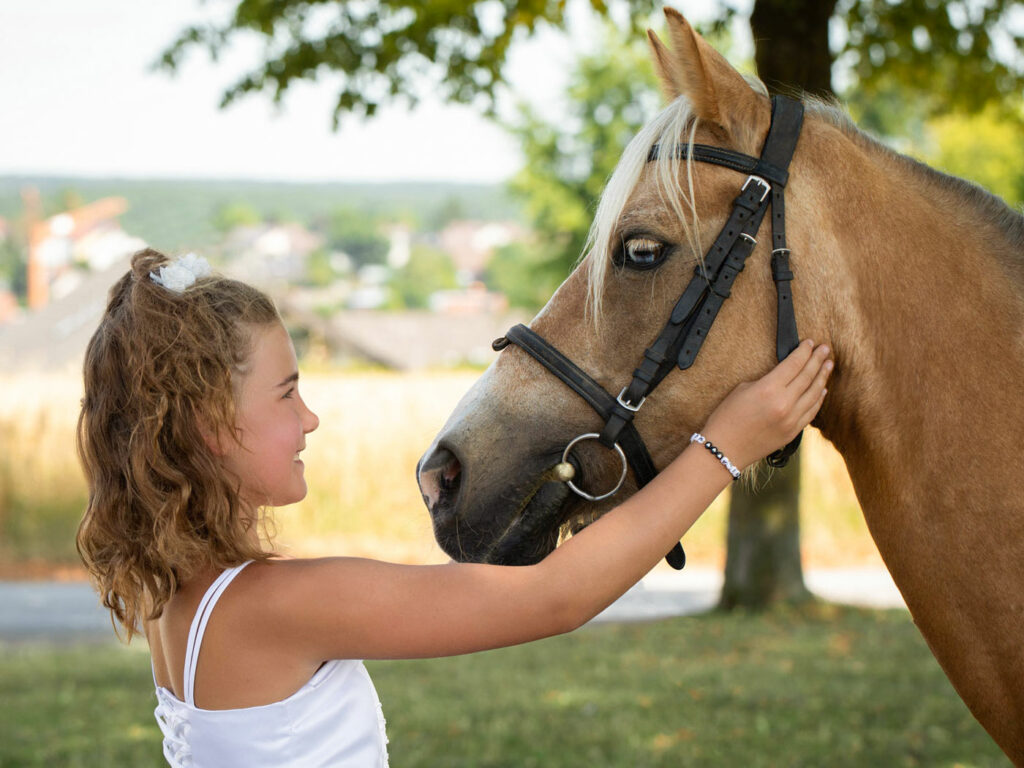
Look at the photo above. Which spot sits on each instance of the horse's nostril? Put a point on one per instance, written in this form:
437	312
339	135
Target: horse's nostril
439	477
436	459
450	474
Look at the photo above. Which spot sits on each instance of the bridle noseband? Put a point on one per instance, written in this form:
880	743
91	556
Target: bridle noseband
694	313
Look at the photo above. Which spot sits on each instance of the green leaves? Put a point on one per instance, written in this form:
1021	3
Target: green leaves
956	55
568	160
381	49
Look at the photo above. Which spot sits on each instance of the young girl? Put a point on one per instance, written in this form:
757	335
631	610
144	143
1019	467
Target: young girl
192	424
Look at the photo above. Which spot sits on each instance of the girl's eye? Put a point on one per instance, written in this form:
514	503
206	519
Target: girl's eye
642	253
289	393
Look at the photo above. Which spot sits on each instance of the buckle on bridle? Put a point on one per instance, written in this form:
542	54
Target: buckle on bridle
629	406
758	180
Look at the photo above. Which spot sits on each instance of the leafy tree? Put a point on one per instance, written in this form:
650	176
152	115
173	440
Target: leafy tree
231	215
526	272
358	234
611	94
984	148
320	272
382	49
449	210
13	266
943	54
428	270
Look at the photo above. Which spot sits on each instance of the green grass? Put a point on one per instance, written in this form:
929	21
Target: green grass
825	686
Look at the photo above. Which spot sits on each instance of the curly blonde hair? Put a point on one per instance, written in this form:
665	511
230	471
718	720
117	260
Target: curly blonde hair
160	371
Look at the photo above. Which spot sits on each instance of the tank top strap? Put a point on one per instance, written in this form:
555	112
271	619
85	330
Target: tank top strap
198	628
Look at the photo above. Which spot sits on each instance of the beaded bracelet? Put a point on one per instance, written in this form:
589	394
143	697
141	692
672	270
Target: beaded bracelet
697	437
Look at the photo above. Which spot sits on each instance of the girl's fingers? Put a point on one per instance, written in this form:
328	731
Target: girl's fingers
806	375
788	369
808	416
811	393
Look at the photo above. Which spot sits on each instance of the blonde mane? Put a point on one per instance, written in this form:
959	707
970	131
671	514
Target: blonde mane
676	120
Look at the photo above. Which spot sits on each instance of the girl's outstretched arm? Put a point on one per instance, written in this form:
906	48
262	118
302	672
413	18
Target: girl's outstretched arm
354	608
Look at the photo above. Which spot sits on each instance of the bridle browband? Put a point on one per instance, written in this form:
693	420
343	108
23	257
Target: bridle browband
693	314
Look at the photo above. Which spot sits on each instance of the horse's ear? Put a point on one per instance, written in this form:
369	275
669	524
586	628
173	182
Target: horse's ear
717	92
665	67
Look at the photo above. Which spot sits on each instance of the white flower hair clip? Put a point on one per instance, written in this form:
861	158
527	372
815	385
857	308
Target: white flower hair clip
182	272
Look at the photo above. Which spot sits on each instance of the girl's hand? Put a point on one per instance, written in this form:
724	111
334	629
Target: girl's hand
759	417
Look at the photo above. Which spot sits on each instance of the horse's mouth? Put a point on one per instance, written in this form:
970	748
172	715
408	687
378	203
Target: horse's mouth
546	508
547	511
533	531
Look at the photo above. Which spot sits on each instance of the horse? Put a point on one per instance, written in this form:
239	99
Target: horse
914	278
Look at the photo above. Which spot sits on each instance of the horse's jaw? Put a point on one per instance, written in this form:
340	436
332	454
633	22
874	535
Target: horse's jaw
491	479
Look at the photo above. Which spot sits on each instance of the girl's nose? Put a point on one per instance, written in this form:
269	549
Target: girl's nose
312	421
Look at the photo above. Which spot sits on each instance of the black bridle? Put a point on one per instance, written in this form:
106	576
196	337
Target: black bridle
680	340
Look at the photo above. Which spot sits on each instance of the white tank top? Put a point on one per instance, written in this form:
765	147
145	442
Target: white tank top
335	719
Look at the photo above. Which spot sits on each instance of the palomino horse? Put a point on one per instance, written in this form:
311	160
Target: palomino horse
913	278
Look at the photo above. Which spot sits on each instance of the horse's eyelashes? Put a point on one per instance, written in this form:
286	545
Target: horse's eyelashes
642	252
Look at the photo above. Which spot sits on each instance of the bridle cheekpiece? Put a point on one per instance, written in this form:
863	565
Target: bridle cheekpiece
696	309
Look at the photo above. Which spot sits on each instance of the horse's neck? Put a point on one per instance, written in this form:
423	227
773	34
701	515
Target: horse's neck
929	337
925	407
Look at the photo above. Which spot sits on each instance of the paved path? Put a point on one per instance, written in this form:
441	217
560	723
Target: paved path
65	613
664	593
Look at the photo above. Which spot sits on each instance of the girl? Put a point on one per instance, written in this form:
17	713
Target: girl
192	424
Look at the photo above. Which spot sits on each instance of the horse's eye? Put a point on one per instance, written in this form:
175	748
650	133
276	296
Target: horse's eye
642	253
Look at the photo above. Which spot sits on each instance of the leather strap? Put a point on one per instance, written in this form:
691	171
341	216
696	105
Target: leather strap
737	244
787	120
594	394
698	306
577	380
737	161
692	315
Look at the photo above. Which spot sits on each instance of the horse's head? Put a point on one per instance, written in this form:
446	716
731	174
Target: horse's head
488	479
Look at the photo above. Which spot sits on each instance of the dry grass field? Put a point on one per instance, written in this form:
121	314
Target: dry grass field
360	466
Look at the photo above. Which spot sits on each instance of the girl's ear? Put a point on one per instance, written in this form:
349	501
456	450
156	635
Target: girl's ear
212	437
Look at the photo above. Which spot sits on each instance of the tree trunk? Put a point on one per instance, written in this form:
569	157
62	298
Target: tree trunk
763	560
763	543
791	44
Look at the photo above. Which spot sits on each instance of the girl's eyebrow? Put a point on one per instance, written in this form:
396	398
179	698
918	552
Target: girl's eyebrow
290	379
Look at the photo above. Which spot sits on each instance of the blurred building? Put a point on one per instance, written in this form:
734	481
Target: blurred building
399	245
270	255
88	236
472	243
8	303
54	337
475	299
414	340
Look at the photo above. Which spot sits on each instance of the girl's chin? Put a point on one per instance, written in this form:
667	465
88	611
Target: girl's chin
293	496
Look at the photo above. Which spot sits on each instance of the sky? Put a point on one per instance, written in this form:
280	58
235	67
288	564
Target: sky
78	97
